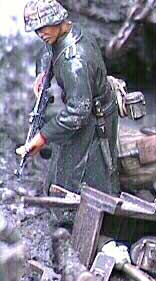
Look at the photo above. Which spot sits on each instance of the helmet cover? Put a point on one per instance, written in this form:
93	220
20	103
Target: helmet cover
40	13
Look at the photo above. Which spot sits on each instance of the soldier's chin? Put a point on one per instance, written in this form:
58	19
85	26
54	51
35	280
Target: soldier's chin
47	41
50	41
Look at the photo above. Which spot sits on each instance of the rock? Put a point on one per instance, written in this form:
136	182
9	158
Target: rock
8	195
21	191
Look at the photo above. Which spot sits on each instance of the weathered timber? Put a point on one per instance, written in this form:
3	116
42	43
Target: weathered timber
50	202
88	221
91	213
136	171
91	199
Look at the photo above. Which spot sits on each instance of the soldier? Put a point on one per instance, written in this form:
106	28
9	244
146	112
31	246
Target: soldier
83	131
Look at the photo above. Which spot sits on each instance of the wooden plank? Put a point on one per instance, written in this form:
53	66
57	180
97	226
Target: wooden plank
86	231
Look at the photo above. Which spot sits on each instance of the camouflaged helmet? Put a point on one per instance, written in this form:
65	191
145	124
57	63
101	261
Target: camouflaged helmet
39	13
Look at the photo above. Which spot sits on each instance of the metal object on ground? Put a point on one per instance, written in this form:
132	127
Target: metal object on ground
102	267
120	259
136	274
123	262
67	260
47	273
143	254
56	190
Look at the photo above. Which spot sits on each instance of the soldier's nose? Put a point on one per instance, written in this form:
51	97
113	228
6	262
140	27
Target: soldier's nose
39	33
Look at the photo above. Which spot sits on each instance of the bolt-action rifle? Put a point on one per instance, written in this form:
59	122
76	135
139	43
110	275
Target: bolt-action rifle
36	119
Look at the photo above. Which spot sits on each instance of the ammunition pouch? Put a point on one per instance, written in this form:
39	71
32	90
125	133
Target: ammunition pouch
143	254
131	105
135	104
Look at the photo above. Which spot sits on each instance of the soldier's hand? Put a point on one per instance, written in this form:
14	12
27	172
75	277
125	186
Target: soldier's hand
38	83
35	145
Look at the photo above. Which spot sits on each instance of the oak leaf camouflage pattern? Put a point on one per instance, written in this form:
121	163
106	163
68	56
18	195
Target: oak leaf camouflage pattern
40	13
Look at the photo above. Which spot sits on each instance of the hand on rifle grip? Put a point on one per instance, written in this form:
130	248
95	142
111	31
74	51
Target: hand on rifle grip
35	145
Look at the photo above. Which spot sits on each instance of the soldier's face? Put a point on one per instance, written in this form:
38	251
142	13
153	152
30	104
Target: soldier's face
49	34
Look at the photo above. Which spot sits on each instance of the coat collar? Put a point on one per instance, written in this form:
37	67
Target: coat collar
65	42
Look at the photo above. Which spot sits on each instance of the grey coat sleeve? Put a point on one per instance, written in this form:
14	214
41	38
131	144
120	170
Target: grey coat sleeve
76	82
